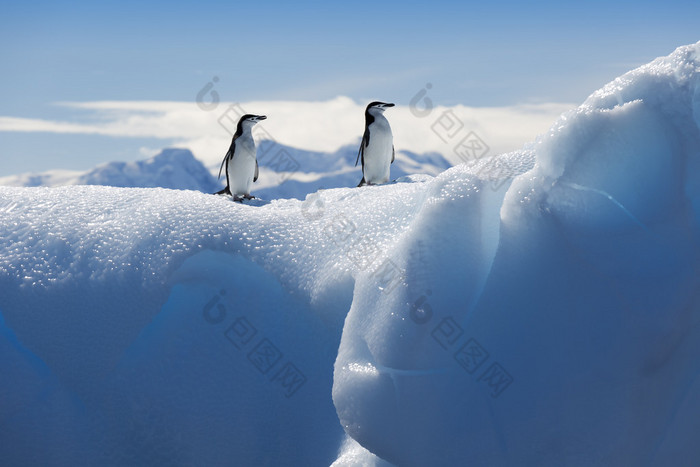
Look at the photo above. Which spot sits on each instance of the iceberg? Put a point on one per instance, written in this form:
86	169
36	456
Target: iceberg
538	308
564	329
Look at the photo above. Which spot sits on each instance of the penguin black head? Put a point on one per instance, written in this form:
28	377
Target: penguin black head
247	121
381	106
252	118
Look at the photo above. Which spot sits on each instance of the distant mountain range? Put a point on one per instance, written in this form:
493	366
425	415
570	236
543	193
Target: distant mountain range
293	173
285	172
172	168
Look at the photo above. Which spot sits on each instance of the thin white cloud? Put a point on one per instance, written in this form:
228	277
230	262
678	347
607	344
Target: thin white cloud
33	125
318	126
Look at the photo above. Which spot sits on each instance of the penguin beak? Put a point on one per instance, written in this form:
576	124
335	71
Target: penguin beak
260	117
387	105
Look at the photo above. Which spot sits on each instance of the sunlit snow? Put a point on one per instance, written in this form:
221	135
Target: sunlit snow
538	309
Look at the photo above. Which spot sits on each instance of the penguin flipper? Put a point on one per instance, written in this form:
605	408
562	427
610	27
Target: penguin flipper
257	171
222	164
229	155
393	154
363	145
226	190
360	152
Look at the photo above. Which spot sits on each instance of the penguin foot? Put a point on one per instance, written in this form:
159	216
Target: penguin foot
240	199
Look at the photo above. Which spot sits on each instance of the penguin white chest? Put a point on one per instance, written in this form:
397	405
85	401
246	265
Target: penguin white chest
241	168
378	153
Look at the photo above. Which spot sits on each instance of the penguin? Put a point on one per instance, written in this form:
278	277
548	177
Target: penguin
241	163
377	145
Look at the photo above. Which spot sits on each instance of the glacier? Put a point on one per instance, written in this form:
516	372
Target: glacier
538	308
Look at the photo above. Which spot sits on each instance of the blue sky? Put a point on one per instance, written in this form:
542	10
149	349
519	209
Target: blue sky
485	54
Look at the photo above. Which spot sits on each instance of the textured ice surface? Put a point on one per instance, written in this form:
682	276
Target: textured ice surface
564	332
105	290
473	319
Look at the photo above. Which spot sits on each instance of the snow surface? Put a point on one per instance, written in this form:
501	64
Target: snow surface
464	319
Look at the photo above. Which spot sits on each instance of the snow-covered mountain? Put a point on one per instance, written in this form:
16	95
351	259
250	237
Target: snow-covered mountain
294	173
538	309
285	172
172	168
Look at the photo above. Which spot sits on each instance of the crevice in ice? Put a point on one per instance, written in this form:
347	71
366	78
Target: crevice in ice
490	238
605	194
